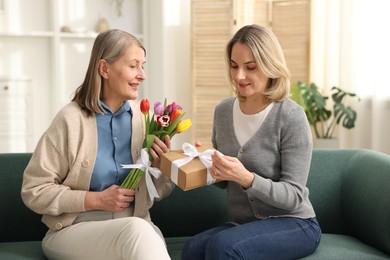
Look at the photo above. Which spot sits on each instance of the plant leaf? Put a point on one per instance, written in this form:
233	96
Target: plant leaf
148	141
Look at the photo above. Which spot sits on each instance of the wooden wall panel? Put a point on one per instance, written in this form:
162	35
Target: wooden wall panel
213	24
290	21
211	29
291	24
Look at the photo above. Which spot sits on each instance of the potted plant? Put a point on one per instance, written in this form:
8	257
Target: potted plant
323	120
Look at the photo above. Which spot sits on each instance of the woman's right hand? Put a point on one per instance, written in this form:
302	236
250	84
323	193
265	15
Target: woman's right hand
114	199
230	169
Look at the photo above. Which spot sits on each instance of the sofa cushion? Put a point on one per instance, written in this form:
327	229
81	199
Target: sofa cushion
342	247
21	250
332	246
175	245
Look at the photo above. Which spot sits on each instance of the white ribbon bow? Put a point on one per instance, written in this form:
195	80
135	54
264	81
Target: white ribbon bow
190	151
144	163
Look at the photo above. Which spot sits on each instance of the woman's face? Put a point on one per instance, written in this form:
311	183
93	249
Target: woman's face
122	78
247	77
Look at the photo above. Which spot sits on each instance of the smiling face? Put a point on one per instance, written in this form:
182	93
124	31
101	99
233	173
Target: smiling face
122	78
249	80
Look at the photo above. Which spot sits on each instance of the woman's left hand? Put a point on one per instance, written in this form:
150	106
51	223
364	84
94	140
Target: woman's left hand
230	169
158	148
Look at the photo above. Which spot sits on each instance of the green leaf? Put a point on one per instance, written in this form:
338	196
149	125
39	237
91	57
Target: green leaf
296	95
153	125
157	133
172	134
148	141
147	123
321	118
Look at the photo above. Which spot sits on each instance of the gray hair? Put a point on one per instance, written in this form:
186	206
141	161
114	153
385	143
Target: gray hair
110	46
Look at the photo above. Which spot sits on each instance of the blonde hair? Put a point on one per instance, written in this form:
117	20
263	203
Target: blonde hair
269	59
110	46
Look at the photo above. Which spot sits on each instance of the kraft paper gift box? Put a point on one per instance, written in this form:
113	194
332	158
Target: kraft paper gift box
193	174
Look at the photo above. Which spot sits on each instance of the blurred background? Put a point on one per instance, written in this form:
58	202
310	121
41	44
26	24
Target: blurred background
45	47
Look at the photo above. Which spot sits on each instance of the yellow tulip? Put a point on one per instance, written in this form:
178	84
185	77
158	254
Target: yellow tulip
183	125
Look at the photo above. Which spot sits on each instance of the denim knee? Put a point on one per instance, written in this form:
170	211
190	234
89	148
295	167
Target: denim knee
220	247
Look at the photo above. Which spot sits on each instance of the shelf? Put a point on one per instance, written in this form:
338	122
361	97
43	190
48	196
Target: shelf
86	35
47	44
17	79
28	35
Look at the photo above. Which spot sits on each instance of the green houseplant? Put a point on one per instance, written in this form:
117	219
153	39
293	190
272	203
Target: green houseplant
323	120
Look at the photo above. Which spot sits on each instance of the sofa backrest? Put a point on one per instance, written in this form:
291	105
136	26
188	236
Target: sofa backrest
186	213
17	222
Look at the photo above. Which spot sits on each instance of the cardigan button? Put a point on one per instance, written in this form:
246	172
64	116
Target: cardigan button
58	226
85	163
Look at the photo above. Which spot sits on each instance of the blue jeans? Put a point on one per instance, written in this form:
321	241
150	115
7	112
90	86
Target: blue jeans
273	238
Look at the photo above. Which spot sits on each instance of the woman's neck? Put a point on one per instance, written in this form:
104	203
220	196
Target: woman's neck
251	106
113	105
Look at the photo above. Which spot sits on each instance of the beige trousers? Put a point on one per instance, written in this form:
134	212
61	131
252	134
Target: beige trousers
104	235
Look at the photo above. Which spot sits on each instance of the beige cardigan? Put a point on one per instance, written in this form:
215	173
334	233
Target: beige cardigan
58	175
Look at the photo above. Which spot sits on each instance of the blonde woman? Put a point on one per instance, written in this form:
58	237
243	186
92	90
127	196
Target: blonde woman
266	147
74	174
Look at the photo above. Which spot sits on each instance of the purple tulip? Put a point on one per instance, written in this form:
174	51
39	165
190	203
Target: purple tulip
158	108
172	107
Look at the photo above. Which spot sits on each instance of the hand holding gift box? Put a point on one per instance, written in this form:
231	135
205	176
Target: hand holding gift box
188	168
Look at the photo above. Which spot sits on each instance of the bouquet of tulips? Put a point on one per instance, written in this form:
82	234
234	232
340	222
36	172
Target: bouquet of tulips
166	120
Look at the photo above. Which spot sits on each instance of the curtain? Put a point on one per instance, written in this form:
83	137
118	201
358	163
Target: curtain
350	48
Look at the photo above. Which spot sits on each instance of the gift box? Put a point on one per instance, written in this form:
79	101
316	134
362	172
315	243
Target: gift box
193	173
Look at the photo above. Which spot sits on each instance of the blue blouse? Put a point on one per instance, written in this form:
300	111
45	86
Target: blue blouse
114	147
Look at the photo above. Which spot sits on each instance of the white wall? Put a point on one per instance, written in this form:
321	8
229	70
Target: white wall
169	56
55	74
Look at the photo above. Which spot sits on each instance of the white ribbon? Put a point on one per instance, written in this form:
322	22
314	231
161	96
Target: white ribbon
190	151
144	163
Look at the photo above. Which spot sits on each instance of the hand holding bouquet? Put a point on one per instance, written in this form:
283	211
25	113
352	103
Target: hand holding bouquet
166	120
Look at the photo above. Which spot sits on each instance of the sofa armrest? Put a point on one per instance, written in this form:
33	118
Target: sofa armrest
17	222
365	198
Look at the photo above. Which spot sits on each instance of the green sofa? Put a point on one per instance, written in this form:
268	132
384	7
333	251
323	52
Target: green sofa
350	191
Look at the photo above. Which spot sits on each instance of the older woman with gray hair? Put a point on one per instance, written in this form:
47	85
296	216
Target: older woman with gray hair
74	176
